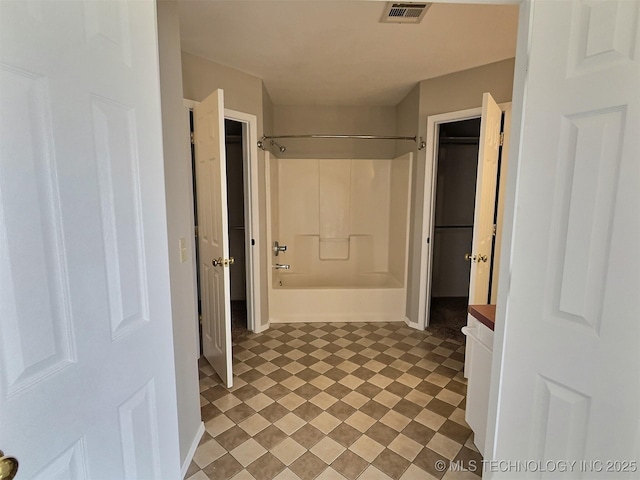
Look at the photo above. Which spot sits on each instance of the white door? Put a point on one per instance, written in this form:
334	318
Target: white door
568	386
213	237
87	386
485	205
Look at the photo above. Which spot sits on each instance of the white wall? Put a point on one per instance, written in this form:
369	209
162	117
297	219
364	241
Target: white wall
179	225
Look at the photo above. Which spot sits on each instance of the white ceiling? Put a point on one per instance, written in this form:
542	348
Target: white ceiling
337	52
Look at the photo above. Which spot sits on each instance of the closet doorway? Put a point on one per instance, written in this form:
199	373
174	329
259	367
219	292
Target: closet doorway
455	192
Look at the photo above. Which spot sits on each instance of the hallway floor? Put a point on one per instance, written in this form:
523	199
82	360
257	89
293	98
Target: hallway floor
333	401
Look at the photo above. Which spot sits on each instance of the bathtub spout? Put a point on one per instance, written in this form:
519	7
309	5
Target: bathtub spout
279	266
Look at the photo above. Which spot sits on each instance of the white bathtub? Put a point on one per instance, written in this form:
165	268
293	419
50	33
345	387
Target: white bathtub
373	297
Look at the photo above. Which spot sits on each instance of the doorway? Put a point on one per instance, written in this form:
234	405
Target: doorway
234	148
455	192
243	219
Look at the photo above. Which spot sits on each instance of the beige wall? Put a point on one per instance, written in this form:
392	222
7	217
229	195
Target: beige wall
297	120
243	93
449	93
179	194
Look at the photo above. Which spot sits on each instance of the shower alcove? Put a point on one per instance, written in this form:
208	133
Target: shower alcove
345	225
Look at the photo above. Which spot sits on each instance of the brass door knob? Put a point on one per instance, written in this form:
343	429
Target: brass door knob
8	467
468	256
220	262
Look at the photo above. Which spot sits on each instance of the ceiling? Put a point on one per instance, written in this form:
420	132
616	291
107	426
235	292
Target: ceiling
337	53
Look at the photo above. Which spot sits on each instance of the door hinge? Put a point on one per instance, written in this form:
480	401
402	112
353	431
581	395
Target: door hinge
501	138
196	231
193	138
495	228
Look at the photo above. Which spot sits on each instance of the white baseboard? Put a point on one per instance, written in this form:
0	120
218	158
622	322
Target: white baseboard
411	324
192	449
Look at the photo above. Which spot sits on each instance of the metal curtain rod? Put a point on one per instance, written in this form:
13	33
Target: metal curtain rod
364	137
262	144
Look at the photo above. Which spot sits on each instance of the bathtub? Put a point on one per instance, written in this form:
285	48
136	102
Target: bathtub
365	297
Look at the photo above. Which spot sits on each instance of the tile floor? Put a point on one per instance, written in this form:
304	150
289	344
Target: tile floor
336	401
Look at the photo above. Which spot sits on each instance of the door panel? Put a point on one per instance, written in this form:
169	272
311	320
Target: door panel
569	385
87	381
213	238
483	219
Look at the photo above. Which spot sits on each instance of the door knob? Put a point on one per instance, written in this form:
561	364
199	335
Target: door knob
8	467
277	248
468	256
482	258
220	262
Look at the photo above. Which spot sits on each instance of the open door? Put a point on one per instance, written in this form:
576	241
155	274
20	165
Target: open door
213	237
485	205
566	376
87	375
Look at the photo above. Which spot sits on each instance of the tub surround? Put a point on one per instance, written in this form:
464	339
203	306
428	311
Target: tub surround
345	223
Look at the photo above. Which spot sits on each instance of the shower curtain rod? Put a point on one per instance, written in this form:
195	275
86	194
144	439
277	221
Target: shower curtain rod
322	135
262	145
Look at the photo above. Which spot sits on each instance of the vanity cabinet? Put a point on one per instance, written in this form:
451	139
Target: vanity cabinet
477	368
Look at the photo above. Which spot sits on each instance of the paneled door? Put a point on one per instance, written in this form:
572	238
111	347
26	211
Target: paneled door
213	236
87	380
485	204
569	383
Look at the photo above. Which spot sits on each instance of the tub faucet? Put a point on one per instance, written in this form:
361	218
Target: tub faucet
279	266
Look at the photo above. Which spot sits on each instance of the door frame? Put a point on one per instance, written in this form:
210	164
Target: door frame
429	206
251	208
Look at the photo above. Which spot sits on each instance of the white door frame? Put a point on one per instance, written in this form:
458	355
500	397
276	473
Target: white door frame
251	209
428	209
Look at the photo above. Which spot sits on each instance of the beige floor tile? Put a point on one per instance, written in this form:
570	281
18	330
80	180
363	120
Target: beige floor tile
418	397
227	402
395	420
294	367
248	452
409	380
207	453
218	425
405	447
416	473
288	451
360	421
387	399
323	400
322	382
327	450
458	417
450	397
355	399
366	448
325	422
430	419
351	381
199	476
254	424
243	475
380	380
372	473
289	423
266	368
262	383
292	382
291	401
286	474
438	379
330	474
444	446
259	402
348	366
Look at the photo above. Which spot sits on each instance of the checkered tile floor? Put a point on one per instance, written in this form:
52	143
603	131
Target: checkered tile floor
336	401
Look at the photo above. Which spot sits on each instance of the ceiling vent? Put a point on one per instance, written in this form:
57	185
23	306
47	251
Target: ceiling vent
404	12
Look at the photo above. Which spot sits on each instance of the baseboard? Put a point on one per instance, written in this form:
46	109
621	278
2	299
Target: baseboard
261	328
192	449
338	318
411	324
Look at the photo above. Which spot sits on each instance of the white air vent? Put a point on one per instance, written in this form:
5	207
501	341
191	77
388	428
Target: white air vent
404	12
